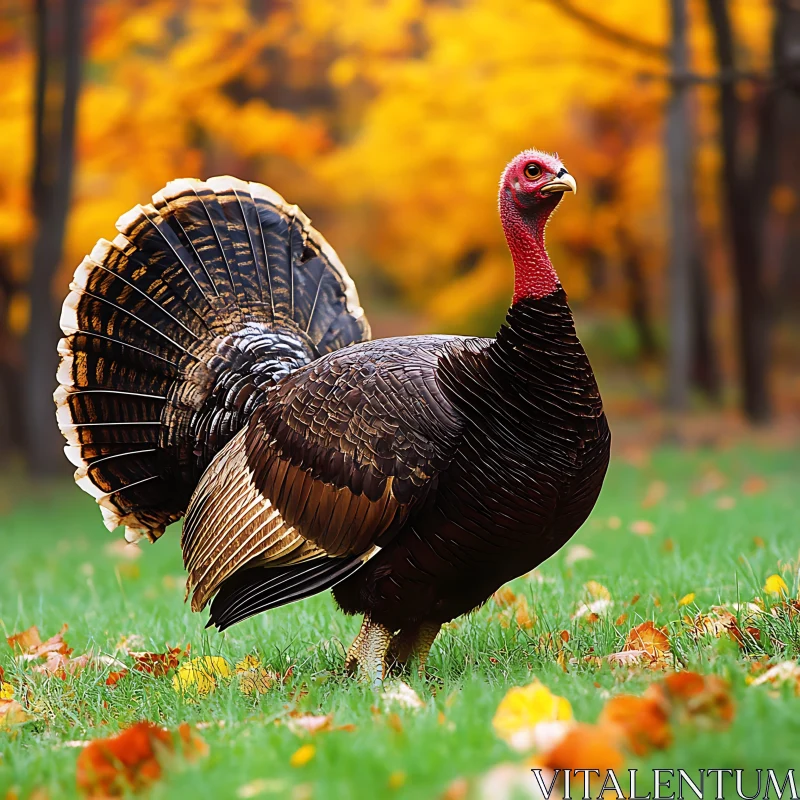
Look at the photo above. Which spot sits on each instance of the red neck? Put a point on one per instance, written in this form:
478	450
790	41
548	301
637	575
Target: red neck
534	275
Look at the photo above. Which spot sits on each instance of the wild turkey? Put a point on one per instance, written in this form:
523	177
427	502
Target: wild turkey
216	363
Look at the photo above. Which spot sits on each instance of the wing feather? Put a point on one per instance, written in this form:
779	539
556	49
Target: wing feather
325	473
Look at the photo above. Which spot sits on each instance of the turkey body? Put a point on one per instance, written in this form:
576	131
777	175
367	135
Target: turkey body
527	450
216	365
492	452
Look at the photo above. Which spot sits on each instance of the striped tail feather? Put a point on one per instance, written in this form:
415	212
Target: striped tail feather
175	330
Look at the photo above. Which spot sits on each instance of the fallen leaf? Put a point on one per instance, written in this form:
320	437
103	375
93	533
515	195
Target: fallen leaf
403	695
504	596
584	747
255	681
755	484
132	760
719	622
725	503
523	709
703	700
302	755
596	591
775	584
686	599
786	672
12	714
507	782
31	647
59	665
201	674
642	527
157	664
629	658
712	480
261	786
397	780
6	689
656	492
114	677
621	619
248	663
641	722
310	724
652	640
576	553
458	789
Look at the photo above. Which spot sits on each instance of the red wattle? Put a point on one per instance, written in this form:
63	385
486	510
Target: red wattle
534	275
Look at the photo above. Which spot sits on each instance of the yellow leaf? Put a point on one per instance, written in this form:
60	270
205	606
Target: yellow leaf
775	584
397	780
247	663
302	755
686	599
202	674
6	691
525	707
596	591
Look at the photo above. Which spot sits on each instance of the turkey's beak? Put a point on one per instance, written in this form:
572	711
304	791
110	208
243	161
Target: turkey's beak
563	182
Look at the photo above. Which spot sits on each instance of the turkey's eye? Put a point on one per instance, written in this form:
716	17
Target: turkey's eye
532	171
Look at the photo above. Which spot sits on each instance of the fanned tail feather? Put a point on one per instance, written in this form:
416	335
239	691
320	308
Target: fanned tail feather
174	331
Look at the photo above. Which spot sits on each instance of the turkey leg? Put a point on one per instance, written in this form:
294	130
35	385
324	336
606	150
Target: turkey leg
415	642
368	652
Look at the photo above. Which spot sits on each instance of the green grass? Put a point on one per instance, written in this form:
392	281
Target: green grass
55	569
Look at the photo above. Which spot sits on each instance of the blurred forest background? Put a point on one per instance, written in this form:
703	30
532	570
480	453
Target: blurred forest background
389	122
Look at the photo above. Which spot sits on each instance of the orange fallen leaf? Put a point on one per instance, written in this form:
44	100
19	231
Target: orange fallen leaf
132	760
394	722
114	677
720	622
12	714
755	484
704	700
652	640
59	665
29	645
311	723
158	664
641	722
584	747
458	789
504	596
642	527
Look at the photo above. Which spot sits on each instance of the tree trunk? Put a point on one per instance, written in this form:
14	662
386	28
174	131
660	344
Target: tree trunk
637	297
58	46
705	367
746	192
678	146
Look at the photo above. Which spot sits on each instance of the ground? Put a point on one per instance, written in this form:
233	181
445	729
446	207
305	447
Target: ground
720	524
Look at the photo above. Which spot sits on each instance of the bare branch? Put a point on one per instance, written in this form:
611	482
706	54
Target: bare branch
609	32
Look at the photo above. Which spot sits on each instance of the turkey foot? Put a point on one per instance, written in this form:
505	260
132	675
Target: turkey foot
368	653
414	642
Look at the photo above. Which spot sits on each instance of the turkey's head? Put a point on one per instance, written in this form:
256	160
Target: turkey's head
531	187
536	181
